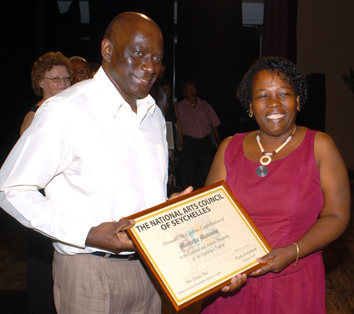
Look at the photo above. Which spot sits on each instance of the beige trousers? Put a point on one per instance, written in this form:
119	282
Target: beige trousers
86	283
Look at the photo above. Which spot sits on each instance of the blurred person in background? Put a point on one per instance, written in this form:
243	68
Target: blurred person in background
171	115
94	67
82	69
51	74
199	124
157	92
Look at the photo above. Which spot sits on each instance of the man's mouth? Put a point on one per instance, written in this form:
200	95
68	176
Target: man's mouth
142	81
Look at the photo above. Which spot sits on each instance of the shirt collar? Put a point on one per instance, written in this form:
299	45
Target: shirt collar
114	99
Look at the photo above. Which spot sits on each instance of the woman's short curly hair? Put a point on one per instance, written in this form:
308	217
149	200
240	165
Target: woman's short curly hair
46	63
287	70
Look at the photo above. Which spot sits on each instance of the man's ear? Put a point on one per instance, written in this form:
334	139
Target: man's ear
106	50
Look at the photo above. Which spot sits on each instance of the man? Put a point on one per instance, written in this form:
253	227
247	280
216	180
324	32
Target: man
94	67
99	149
82	69
198	120
157	92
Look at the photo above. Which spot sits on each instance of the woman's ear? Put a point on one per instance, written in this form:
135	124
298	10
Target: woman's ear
41	83
298	103
250	111
106	50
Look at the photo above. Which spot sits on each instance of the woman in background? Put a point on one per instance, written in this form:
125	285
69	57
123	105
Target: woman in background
171	115
293	183
51	74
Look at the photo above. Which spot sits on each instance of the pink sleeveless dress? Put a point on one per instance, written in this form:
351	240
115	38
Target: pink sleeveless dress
284	205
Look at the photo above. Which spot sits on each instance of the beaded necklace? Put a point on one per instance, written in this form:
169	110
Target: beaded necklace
265	160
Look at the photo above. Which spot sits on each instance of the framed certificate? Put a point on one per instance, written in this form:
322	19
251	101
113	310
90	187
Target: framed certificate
196	243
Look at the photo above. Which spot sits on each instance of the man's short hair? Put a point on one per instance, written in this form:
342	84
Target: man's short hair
184	86
77	58
113	29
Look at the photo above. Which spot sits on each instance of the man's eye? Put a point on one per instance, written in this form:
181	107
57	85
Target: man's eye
158	59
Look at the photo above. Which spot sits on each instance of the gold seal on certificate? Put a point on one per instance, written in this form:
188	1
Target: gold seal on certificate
196	243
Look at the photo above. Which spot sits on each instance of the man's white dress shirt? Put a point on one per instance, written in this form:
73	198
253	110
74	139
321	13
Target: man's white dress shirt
97	160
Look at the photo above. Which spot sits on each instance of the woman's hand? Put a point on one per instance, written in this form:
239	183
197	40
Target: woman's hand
236	283
276	260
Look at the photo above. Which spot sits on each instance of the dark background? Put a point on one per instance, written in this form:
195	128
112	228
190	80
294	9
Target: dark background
213	48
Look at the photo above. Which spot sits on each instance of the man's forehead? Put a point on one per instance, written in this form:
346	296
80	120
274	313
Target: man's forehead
79	62
141	37
135	23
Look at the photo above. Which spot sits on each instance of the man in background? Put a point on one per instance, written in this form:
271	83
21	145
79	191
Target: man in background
199	124
94	67
157	92
82	69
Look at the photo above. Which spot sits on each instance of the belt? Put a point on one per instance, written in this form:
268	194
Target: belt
128	257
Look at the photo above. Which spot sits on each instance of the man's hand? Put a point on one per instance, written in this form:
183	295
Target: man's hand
110	236
177	194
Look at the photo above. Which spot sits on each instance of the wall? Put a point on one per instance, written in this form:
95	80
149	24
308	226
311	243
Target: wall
325	44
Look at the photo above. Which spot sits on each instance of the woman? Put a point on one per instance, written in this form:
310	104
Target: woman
51	74
171	113
293	183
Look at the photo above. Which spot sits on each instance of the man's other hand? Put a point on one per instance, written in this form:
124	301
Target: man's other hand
110	236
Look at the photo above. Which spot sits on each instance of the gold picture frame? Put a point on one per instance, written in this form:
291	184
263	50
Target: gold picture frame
196	243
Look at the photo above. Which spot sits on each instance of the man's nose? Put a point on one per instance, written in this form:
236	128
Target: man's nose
87	75
149	65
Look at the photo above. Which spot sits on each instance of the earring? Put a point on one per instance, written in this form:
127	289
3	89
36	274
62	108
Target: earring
298	109
250	114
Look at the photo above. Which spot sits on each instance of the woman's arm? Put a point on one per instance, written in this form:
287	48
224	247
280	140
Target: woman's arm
27	122
334	217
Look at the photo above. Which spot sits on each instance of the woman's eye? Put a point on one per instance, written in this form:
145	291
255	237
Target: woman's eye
138	53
